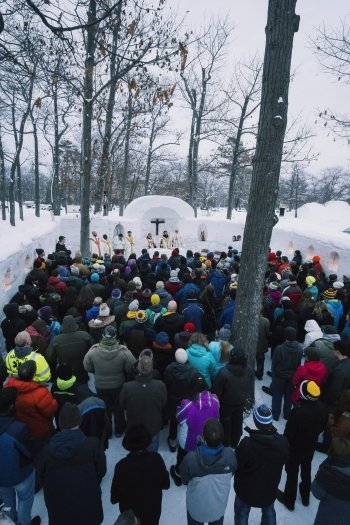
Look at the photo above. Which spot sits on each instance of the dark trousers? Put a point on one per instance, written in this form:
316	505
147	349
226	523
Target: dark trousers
191	521
181	453
260	361
231	418
173	424
281	389
292	468
111	399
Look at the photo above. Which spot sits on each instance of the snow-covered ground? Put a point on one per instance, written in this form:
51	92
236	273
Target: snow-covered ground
174	499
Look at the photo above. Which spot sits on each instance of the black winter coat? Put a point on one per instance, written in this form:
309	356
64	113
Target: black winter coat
137	484
305	422
286	359
232	385
177	378
260	460
12	325
71	471
171	324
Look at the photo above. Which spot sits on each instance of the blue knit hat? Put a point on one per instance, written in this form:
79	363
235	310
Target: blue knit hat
116	293
262	416
95	278
162	338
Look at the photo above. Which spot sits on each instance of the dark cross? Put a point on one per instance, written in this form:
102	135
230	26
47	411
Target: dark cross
157	222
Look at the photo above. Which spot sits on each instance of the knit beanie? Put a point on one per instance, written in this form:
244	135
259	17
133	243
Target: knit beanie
162	338
329	294
224	333
338	285
189	327
159	285
116	293
134	306
145	365
310	391
104	310
23	339
181	356
262	416
155	299
109	332
69	417
138	283
98	301
316	258
310	280
95	278
74	270
45	313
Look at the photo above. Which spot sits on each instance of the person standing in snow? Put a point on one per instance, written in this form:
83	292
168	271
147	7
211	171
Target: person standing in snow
129	244
95	243
207	472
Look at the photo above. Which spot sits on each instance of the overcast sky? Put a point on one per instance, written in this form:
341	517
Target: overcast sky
312	89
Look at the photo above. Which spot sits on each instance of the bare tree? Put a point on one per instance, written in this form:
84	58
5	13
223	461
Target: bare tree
282	23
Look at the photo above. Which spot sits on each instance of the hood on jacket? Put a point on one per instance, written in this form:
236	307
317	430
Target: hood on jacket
11	310
69	325
196	350
205	400
66	443
23	387
312	326
109	349
182	371
22	351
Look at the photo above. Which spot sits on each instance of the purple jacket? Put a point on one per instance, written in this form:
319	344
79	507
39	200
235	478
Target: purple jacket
192	415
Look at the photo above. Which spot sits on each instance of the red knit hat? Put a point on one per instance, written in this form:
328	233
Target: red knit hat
316	258
189	327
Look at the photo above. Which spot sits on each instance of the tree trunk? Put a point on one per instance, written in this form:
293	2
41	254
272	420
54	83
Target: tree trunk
282	23
149	158
2	180
196	141
102	173
56	194
125	172
36	167
87	131
235	158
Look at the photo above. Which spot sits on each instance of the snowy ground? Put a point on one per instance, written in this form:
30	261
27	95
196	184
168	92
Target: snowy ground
174	499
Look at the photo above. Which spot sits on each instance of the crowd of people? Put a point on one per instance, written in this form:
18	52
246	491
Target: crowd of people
132	345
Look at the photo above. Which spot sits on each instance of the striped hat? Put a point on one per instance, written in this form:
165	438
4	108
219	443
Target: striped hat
262	416
310	391
329	294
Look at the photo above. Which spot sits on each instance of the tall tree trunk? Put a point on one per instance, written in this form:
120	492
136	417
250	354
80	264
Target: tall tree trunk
282	23
102	172
196	141
149	158
36	167
56	194
2	180
86	152
190	157
235	158
125	172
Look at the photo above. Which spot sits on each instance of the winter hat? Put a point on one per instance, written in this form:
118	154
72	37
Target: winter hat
23	339
131	286
64	371
95	278
96	266
116	293
45	313
134	306
312	353
131	262
141	316
7	398
104	310
316	258
173	277
101	268
69	324
238	357
162	338
337	285
127	270
181	356
273	286
310	391
224	333
109	332
74	270
262	416
146	352
136	438
69	416
290	333
155	299
189	327
310	280
145	365
98	301
159	285
146	294
138	283
329	294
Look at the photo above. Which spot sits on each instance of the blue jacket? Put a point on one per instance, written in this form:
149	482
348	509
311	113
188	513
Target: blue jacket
203	361
218	280
16	460
93	312
193	313
215	349
181	295
336	307
227	314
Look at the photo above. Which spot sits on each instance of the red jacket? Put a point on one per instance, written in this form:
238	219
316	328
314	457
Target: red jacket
172	288
60	286
35	406
310	371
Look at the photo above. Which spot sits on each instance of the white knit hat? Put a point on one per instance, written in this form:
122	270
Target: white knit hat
337	285
134	306
181	356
